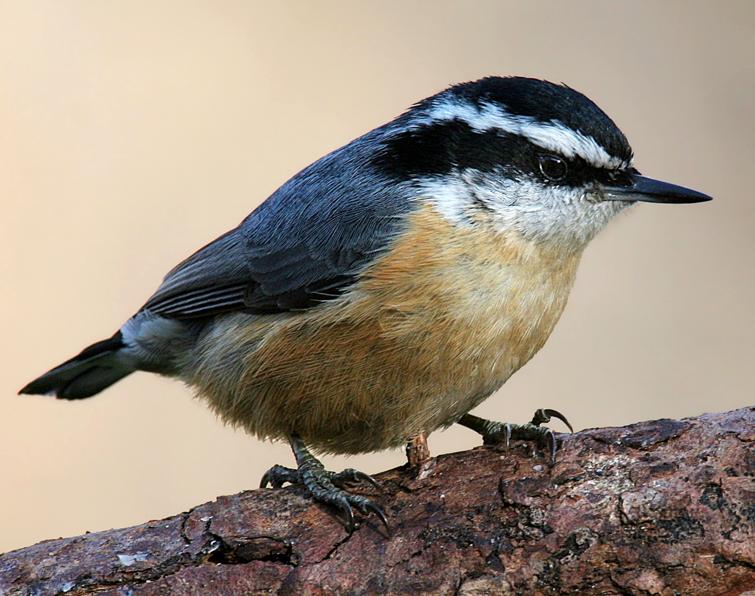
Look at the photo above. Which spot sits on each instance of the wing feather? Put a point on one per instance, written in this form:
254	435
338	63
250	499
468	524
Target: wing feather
304	245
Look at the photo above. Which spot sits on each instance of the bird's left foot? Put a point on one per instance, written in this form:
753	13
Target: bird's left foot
279	475
496	433
323	485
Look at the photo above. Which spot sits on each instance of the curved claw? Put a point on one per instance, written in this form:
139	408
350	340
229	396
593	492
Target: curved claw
544	415
277	476
367	478
352	475
344	505
502	431
366	506
370	506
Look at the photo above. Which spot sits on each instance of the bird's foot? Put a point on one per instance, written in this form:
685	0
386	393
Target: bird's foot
497	433
278	475
325	486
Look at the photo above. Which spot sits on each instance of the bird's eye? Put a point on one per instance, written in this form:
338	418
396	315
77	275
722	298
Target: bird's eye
554	168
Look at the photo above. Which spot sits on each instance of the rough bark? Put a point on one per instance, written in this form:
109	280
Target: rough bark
662	507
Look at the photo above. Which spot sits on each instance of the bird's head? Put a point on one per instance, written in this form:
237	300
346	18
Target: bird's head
522	155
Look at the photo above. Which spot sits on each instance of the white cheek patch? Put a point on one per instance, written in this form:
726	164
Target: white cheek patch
554	135
555	215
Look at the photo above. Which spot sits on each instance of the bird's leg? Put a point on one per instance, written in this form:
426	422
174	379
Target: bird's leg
417	451
418	456
323	485
503	432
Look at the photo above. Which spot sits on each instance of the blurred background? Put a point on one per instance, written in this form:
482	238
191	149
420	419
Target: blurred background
131	133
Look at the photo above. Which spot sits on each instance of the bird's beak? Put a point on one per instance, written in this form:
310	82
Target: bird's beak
648	190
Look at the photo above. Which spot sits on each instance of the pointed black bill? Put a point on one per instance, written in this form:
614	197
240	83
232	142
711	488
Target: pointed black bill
648	190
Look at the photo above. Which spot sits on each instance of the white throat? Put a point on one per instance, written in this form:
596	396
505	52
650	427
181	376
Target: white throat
567	217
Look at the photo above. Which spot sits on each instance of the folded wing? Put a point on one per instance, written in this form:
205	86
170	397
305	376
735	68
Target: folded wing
304	245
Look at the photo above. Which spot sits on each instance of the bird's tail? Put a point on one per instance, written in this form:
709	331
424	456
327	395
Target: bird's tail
95	368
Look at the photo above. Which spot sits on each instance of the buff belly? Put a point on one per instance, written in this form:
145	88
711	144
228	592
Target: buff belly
431	329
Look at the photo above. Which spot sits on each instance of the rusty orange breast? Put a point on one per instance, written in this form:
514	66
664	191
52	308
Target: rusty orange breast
431	329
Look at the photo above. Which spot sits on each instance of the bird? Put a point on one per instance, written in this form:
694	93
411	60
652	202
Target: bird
390	287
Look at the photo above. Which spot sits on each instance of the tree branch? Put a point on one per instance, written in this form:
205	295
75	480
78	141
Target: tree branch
662	507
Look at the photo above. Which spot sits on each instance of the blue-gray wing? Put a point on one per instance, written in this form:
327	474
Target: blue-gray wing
304	245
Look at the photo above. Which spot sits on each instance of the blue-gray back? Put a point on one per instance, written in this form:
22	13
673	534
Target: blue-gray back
305	244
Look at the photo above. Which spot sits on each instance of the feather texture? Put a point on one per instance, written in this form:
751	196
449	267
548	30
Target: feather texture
432	328
304	245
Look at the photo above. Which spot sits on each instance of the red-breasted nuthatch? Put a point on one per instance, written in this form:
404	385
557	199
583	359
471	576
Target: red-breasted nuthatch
390	287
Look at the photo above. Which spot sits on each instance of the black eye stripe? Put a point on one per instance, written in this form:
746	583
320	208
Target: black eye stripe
450	146
453	145
580	173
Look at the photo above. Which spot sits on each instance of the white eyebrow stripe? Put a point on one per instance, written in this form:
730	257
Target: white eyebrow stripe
553	135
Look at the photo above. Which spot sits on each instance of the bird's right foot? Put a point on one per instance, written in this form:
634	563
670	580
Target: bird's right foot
494	433
323	485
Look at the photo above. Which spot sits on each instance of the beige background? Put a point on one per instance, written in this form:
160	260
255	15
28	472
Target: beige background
133	132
